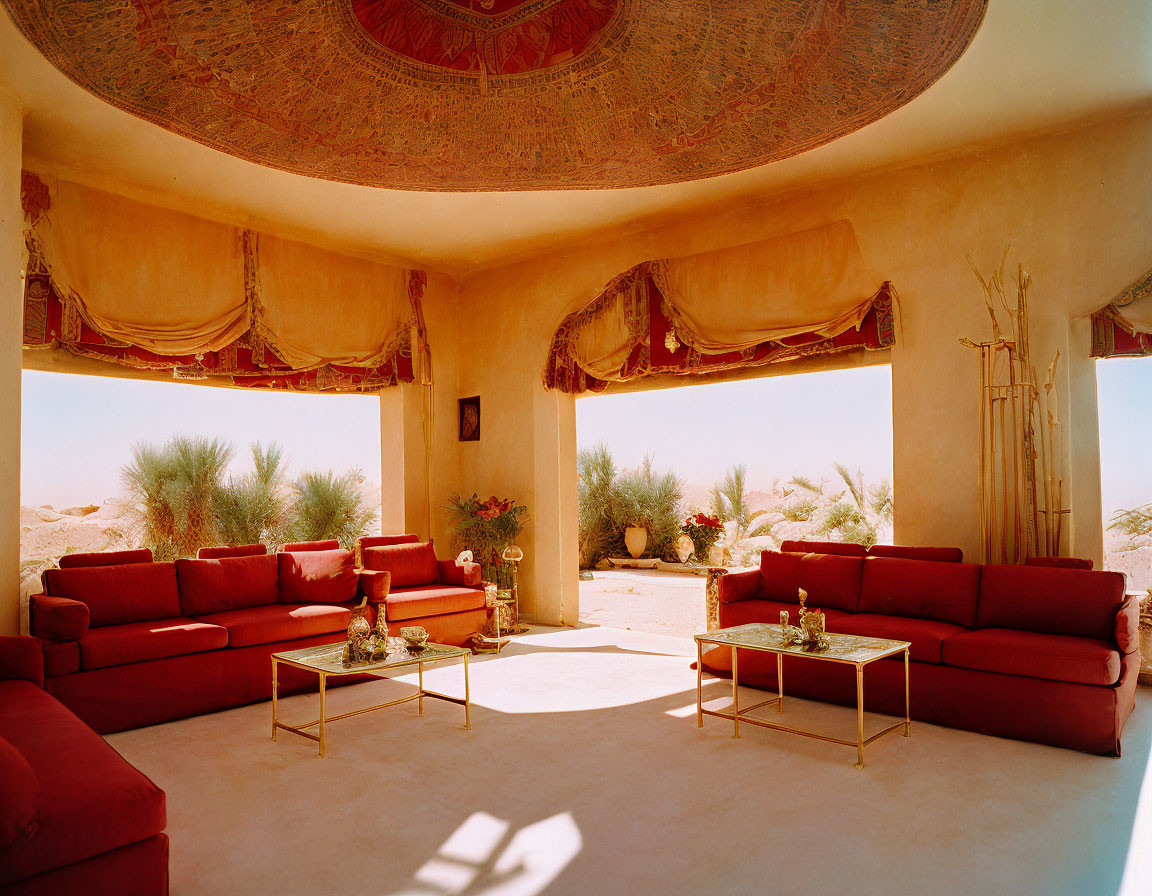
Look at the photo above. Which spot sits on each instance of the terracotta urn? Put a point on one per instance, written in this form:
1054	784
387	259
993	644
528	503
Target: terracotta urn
635	539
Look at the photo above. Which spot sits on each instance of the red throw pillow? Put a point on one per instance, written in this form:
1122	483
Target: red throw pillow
229	583
21	789
317	577
134	592
410	564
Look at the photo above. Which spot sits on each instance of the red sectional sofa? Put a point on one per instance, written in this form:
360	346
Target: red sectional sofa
1049	655
444	596
75	817
131	642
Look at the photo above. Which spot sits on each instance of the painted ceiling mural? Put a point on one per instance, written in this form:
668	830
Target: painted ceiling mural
505	94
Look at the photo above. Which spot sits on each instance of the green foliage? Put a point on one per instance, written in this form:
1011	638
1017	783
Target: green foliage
329	506
174	489
255	507
730	503
858	520
608	502
799	512
1135	523
486	529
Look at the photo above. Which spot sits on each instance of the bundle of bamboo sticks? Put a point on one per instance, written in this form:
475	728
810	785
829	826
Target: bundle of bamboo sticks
1021	461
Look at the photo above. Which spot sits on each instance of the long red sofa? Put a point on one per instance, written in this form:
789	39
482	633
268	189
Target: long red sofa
1035	653
75	817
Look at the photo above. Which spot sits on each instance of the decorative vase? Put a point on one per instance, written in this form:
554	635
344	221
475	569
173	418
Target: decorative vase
684	548
635	539
716	555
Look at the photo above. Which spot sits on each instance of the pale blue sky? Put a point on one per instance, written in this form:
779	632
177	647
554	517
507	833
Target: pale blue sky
78	431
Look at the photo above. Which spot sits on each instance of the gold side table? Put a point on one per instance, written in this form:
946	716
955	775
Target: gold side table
327	660
853	650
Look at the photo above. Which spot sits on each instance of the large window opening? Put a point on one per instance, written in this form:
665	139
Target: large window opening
806	456
81	433
1125	406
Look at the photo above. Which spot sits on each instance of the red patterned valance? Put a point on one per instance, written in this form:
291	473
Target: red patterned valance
1121	328
651	354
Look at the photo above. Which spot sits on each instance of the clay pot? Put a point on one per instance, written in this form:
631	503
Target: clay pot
635	539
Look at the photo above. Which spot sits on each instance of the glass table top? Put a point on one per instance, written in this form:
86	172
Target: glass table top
841	648
330	657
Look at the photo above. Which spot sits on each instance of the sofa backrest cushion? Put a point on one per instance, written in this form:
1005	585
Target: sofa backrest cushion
831	580
317	577
297	546
232	550
410	564
228	583
379	541
21	788
1054	601
1059	562
904	552
840	548
133	592
923	589
105	558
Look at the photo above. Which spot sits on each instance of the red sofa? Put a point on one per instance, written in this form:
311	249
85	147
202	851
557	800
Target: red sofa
75	817
444	596
1041	654
130	642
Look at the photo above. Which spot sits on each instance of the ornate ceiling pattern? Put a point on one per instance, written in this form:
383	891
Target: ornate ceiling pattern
505	95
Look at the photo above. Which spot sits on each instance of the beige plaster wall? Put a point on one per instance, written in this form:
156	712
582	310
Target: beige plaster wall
1075	208
11	327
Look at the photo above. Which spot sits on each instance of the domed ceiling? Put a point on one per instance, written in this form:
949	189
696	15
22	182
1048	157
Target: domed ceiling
464	95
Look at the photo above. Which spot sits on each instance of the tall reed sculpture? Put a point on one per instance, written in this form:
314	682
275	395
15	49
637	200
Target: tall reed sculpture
1021	458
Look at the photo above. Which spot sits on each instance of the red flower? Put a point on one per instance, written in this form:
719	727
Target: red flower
493	507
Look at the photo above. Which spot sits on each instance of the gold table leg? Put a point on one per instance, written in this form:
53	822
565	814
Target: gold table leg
859	717
323	686
907	702
735	697
275	690
420	700
467	698
699	685
779	682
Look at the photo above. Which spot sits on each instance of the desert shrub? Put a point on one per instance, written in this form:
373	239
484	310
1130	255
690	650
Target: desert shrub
730	504
799	511
173	492
1135	523
256	507
652	500
327	506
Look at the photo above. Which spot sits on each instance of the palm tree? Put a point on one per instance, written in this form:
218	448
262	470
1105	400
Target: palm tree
328	506
730	504
174	491
859	519
256	507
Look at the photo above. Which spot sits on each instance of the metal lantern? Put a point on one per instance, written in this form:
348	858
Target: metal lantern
513	555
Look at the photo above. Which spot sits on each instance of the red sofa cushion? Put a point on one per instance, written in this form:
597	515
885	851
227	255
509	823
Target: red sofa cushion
1059	562
743	585
925	635
317	577
134	592
376	541
463	575
62	658
921	588
105	558
1036	655
21	659
1054	601
410	564
904	552
228	583
831	580
330	544
839	548
21	789
280	622
91	800
135	642
435	600
232	550
742	612
57	618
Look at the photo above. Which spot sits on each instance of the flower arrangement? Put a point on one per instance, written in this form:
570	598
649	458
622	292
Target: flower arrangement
704	530
485	528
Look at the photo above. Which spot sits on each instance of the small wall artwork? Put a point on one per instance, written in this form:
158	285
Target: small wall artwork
470	419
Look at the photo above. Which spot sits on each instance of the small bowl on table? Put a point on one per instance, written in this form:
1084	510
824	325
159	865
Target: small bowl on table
415	636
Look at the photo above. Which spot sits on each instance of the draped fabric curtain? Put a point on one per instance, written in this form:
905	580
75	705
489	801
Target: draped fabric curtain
1123	327
138	285
778	300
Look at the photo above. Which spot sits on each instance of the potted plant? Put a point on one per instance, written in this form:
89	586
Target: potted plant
486	528
704	530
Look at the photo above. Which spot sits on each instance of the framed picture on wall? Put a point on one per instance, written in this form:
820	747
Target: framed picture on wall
470	419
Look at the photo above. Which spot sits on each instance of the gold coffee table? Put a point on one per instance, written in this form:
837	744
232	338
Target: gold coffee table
852	650
327	660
